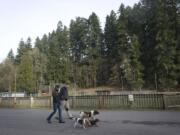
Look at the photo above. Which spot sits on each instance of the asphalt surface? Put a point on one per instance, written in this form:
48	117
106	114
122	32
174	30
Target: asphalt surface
33	122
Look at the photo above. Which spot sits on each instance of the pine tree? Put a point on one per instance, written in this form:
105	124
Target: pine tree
7	71
122	61
20	51
58	56
28	44
136	66
178	42
11	56
148	42
42	44
94	46
165	48
110	38
79	42
25	77
39	67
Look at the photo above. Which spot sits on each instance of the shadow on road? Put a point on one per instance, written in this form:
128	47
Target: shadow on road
152	122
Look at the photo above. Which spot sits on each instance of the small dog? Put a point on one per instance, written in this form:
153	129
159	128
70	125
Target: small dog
94	122
86	119
84	122
91	114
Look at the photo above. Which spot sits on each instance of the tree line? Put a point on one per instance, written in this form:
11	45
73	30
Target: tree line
138	48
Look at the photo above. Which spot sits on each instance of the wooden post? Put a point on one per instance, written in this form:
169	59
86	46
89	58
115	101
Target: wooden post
156	81
32	101
164	101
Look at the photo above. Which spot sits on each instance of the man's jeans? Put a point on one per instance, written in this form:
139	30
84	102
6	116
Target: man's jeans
65	105
56	106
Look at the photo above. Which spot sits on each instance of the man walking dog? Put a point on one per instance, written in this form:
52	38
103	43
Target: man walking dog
63	92
64	100
56	105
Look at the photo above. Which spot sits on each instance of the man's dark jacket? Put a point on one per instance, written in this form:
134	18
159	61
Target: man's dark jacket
63	93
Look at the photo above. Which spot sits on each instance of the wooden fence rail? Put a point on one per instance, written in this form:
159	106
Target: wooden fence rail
26	102
140	101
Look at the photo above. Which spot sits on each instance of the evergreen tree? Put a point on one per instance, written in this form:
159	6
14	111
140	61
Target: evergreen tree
110	38
94	46
28	44
11	56
136	66
159	43
79	42
165	48
25	77
7	72
121	68
148	33
39	67
42	44
178	42
148	42
58	56
20	51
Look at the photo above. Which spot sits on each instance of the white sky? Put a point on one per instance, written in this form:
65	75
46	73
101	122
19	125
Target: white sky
32	18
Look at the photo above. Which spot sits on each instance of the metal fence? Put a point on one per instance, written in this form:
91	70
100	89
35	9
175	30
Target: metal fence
122	101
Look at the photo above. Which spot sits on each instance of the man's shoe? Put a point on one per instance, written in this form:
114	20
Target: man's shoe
48	121
61	121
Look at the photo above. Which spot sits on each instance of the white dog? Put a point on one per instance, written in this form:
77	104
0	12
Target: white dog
91	114
83	122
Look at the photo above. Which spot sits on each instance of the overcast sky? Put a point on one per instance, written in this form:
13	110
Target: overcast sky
32	18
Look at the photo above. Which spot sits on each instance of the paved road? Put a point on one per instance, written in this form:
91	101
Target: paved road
32	122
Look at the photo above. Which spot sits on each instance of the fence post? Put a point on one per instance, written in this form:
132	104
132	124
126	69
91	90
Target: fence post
0	101
164	102
32	101
100	101
14	102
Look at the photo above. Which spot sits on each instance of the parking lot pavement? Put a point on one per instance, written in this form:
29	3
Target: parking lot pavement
119	122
